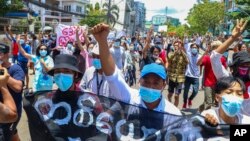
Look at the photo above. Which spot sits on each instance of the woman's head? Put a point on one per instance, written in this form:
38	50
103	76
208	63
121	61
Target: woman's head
241	65
42	51
242	47
155	51
229	94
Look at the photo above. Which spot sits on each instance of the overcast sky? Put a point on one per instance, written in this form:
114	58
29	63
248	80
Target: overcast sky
176	8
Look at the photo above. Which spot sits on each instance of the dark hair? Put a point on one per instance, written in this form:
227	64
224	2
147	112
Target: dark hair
38	49
194	44
226	82
153	48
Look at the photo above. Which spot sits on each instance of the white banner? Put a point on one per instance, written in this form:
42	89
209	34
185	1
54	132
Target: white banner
67	33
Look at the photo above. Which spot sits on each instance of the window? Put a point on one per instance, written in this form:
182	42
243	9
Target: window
79	9
67	8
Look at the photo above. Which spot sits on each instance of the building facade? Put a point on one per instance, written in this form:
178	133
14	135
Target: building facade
140	16
50	17
127	15
159	20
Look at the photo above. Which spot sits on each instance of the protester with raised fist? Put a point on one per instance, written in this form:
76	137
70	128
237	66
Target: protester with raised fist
152	80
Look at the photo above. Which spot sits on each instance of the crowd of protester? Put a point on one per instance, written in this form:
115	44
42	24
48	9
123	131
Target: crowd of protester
109	68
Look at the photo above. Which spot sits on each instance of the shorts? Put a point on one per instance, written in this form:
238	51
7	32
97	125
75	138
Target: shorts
174	87
24	66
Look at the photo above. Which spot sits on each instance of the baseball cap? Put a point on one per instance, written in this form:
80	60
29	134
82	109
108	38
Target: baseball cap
240	58
154	68
4	48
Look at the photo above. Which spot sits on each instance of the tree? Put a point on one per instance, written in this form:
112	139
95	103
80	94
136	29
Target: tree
242	10
205	16
179	30
7	7
94	15
112	13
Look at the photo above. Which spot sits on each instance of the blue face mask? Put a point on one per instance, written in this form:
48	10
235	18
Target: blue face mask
194	51
63	81
149	95
231	105
43	52
116	44
97	63
21	42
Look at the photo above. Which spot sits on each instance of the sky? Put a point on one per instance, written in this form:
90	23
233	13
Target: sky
176	8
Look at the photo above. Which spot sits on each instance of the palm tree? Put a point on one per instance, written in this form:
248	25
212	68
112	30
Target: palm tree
112	13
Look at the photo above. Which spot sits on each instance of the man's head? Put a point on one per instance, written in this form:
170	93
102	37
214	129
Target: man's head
4	53
65	71
215	44
152	82
194	48
96	57
117	43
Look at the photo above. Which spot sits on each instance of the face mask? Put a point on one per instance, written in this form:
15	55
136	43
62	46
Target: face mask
231	105
1	62
243	71
149	95
63	81
116	44
155	56
21	41
43	52
194	51
97	63
225	54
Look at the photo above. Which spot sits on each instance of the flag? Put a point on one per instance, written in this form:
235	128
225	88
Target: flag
82	116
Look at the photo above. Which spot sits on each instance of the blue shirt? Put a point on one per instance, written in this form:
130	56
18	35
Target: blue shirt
42	81
17	73
27	49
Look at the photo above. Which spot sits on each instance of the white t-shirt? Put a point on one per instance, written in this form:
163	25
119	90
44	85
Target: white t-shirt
123	92
193	70
242	119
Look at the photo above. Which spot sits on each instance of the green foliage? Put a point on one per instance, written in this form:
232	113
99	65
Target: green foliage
179	30
205	16
5	8
242	12
113	14
95	15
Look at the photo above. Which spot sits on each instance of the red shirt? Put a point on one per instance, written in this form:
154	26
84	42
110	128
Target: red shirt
247	93
209	77
162	55
15	48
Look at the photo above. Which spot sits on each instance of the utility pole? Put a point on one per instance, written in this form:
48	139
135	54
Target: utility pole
108	14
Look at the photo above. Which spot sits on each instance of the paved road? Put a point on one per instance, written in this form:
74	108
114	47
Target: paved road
23	125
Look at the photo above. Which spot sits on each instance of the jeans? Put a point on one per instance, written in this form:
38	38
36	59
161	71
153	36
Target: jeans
187	84
14	59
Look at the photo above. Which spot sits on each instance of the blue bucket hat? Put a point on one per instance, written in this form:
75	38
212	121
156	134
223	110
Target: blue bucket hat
154	68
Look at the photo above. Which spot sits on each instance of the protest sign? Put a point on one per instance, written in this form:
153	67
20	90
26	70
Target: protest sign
67	33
